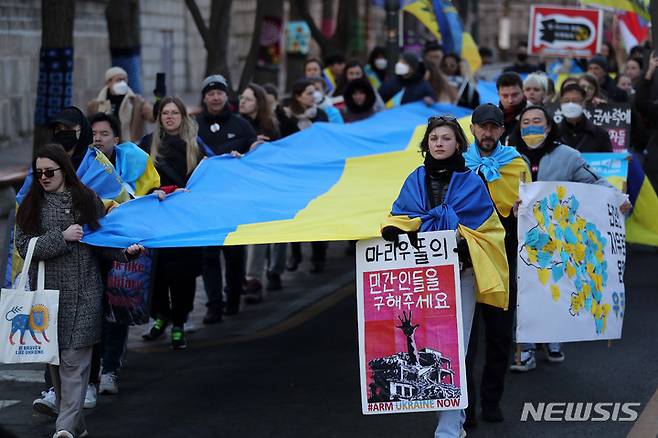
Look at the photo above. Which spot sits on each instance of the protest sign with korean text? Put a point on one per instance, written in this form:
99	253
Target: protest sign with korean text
411	352
564	32
615	118
571	260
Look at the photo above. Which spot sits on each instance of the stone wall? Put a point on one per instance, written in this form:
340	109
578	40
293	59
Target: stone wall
170	43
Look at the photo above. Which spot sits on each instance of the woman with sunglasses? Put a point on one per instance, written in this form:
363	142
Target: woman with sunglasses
443	194
55	209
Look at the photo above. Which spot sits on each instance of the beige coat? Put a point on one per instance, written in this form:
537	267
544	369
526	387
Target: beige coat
133	112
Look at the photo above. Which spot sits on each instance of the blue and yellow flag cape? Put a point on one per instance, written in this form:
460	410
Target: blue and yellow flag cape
641	225
503	170
136	169
97	173
468	209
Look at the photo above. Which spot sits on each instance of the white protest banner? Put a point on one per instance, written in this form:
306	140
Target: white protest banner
411	351
572	254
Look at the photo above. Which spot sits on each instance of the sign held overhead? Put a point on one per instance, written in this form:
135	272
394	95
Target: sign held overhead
566	32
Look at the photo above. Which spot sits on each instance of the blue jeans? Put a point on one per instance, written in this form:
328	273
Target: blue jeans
451	422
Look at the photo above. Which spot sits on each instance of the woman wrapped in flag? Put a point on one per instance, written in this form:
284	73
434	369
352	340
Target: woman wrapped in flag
443	194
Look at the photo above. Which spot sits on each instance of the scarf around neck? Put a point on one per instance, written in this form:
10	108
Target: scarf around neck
443	169
489	166
305	119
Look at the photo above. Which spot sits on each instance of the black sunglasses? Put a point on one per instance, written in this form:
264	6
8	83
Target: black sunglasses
48	173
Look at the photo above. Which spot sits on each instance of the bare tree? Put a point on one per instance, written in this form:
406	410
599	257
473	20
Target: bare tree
57	17
125	43
653	10
215	38
272	9
348	13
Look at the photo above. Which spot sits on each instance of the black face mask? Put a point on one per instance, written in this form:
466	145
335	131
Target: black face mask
68	139
522	57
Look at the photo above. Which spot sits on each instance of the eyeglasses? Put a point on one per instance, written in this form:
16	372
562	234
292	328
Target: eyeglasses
48	173
444	117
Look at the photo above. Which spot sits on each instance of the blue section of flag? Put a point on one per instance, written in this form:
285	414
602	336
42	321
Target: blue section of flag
274	182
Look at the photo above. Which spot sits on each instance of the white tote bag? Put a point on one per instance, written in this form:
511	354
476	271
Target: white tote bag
28	319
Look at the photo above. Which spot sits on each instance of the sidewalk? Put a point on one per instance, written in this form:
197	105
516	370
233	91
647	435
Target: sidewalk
301	290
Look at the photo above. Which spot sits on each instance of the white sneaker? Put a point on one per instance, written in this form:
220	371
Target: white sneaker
47	403
63	434
90	396
109	383
190	327
527	362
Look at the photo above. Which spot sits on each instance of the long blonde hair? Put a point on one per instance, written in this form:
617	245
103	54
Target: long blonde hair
188	133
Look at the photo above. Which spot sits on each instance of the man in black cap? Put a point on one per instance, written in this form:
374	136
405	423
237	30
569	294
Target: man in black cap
501	168
598	67
224	132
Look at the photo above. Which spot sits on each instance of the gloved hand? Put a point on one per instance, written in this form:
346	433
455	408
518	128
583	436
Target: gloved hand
392	234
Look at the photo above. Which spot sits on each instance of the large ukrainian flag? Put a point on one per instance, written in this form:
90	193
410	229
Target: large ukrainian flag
328	182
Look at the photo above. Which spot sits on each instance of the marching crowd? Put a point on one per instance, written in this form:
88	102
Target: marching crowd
517	139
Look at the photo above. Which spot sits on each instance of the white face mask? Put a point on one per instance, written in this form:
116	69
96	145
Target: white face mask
317	96
401	68
571	110
381	63
120	88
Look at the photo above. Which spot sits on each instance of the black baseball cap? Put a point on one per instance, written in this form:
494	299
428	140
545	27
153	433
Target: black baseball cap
487	113
69	117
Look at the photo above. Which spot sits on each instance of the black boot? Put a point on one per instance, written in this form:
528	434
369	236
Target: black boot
273	281
213	314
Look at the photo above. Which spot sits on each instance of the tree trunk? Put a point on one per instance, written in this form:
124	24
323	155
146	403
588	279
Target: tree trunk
328	22
653	10
214	35
272	9
294	62
249	68
125	44
55	65
348	12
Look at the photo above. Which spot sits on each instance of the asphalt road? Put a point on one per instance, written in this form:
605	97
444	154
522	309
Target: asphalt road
300	379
